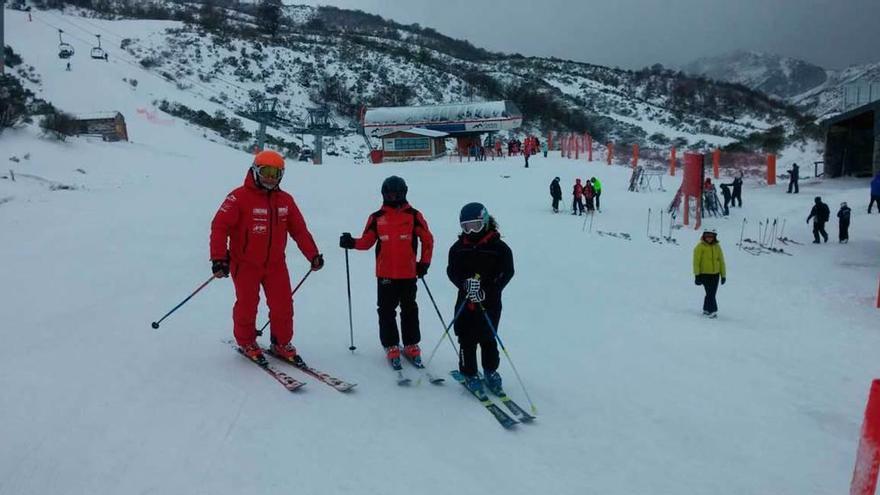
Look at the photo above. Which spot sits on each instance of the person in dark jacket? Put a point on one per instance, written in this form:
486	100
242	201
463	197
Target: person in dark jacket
793	176
556	194
820	215
736	197
725	192
577	200
480	266
396	229
875	193
843	216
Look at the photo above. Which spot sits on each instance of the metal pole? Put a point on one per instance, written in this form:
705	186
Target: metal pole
2	39
318	155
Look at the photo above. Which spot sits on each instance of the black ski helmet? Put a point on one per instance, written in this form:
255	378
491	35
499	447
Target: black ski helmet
473	213
394	190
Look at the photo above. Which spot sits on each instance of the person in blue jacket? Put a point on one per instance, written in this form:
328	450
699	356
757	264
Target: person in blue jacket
875	193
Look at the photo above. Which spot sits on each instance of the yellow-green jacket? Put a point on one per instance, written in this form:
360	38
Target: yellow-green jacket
708	259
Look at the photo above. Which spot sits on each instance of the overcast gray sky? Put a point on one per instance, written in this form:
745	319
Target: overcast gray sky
636	33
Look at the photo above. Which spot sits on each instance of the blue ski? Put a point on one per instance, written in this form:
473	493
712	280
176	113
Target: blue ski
502	417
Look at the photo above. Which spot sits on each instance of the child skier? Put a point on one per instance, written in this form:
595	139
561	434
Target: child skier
708	269
589	193
394	229
843	216
480	266
556	194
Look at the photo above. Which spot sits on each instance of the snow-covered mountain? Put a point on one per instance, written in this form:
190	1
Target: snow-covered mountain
775	75
350	59
814	90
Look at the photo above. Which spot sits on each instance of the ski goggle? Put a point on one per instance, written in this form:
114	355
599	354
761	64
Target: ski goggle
268	172
472	226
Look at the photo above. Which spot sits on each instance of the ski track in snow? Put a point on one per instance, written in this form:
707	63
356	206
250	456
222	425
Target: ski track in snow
636	391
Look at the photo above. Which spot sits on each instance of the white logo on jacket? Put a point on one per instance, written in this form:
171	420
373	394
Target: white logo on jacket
261	211
260	228
282	211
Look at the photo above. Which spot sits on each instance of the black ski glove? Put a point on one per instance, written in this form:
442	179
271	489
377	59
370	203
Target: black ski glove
723	279
422	269
346	241
317	262
697	280
220	268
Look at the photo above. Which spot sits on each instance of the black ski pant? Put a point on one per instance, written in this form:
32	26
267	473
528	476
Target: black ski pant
843	235
726	210
472	331
598	204
393	293
556	204
736	199
577	206
874	199
819	229
709	281
793	184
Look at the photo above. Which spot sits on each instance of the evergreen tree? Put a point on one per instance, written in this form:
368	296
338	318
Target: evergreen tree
269	16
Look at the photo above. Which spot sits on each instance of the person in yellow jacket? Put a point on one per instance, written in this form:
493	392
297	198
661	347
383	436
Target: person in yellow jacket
709	269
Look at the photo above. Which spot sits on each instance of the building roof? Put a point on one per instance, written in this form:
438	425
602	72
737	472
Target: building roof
855	112
453	118
420	132
96	115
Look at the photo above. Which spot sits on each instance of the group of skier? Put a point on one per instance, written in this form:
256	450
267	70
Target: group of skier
248	240
585	196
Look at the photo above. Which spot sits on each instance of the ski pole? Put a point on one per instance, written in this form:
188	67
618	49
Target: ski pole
439	315
260	331
507	354
661	223
351	346
782	232
155	324
591	221
446	333
648	228
742	232
773	236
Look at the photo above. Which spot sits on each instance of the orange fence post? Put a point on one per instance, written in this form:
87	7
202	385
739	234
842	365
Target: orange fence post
549	140
771	170
716	163
672	162
864	480
589	148
635	159
577	147
610	152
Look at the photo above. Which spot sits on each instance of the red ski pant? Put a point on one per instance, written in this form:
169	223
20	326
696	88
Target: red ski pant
276	285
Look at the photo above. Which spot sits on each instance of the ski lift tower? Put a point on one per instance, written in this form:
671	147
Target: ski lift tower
319	126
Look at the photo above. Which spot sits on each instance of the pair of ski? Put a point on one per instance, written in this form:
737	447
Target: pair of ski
404	380
619	235
504	419
292	384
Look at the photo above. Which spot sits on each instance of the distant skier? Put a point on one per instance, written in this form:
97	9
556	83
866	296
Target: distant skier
875	193
709	269
736	197
255	220
544	148
589	194
480	266
794	175
556	194
725	193
396	229
843	217
820	215
597	190
527	151
577	202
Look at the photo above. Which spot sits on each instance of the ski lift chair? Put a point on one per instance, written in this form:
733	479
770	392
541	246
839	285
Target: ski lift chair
98	52
65	50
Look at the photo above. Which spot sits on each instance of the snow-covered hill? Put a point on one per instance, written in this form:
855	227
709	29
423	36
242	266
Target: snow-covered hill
348	60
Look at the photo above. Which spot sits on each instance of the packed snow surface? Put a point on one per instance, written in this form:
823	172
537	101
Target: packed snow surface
636	391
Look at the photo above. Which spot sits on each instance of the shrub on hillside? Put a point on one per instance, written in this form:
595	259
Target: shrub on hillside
14	101
58	124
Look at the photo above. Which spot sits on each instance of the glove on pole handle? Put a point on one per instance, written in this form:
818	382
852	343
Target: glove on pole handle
351	346
507	354
260	331
155	324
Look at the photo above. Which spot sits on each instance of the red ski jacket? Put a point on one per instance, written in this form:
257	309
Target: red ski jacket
578	190
256	223
397	231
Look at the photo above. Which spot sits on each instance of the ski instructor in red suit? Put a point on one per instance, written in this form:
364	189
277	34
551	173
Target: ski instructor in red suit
248	240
